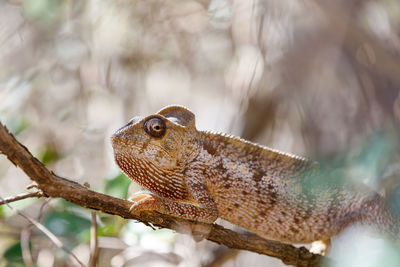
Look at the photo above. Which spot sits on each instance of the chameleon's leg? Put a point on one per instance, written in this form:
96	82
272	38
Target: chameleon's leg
203	208
148	201
321	247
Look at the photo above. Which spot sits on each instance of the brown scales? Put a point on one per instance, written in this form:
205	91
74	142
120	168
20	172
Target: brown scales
203	175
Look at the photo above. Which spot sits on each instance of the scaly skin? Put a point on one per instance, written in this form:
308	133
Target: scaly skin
201	176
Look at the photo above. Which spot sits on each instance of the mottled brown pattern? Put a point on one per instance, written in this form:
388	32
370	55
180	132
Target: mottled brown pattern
203	175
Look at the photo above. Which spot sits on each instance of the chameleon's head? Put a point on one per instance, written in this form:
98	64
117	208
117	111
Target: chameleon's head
153	150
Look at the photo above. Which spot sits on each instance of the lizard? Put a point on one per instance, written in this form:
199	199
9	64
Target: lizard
204	175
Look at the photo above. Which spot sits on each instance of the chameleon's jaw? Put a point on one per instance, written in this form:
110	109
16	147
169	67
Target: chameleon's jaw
146	174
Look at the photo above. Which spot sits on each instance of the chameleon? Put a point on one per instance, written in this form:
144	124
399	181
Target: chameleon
204	175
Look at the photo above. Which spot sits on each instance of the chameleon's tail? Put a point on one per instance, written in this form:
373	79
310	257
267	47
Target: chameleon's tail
377	213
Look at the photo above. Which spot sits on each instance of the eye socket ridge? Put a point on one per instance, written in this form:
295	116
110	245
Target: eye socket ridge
155	127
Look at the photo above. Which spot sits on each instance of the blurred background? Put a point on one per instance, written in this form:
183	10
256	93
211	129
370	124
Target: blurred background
318	78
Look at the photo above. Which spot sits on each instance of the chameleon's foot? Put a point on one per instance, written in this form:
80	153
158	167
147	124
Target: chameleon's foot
144	202
139	196
321	247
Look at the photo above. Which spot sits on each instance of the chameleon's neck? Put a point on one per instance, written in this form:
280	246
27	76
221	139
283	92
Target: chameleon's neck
260	160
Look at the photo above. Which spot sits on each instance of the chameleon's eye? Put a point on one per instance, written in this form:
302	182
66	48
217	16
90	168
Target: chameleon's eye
155	127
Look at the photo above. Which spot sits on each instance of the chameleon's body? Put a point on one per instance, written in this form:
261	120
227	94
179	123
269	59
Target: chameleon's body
202	176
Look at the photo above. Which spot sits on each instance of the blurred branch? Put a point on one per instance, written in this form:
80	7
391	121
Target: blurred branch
26	252
94	247
20	197
58	187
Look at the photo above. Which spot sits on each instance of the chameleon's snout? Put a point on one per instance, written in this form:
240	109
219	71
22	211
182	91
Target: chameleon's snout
120	135
117	140
114	138
114	141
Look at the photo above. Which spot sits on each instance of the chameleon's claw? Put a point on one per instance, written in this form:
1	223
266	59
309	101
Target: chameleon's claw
144	202
139	196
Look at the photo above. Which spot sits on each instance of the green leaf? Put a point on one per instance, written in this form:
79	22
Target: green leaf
18	125
376	153
48	154
66	224
13	255
108	229
118	186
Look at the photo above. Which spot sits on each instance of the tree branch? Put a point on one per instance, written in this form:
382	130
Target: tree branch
57	187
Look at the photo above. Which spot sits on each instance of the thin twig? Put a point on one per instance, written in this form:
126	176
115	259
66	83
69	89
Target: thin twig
20	197
46	231
42	207
94	248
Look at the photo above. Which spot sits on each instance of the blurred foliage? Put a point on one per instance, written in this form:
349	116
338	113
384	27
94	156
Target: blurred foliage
374	155
44	12
1	212
393	197
48	155
13	255
118	186
66	224
17	125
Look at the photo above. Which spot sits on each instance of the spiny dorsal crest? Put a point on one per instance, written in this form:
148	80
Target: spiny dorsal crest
179	114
